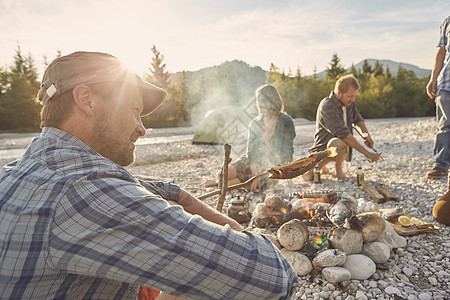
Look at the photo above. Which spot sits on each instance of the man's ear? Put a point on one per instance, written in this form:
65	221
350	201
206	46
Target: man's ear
83	96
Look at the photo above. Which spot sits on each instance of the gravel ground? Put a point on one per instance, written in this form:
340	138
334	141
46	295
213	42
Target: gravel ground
418	271
421	270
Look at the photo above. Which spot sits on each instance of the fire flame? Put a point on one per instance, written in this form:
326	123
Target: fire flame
309	211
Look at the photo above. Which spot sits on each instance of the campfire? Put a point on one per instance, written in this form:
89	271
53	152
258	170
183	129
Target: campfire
315	230
344	238
274	210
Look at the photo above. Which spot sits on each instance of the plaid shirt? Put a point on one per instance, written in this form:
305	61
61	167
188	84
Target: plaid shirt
444	41
330	122
75	225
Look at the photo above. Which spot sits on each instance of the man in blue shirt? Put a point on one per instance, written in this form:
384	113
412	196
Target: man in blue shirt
439	88
74	224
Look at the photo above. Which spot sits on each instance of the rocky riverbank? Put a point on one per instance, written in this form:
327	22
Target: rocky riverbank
421	270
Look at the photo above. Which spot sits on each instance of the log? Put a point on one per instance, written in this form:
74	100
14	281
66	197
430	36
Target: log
377	197
224	185
388	194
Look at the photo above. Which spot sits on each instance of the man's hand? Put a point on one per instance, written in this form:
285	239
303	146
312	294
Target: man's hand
368	141
431	88
373	156
438	64
351	141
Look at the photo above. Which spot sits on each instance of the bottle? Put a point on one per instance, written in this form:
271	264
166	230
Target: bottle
317	178
359	175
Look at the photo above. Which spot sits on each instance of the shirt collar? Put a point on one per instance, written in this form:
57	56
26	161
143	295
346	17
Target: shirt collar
335	99
67	137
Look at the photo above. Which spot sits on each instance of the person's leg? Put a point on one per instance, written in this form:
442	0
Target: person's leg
342	150
210	183
340	174
325	170
308	176
232	178
441	150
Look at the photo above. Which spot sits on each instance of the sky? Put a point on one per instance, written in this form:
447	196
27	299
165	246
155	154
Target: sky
194	34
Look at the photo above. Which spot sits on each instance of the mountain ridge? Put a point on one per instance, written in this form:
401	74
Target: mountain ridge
393	67
239	65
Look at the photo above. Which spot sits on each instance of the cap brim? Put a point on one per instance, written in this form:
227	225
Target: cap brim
152	96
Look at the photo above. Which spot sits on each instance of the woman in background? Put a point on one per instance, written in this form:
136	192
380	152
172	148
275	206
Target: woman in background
270	140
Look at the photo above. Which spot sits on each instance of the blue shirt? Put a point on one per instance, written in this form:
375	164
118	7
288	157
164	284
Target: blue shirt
75	225
444	41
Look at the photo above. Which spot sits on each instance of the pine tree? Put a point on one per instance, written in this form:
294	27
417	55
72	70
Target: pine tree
336	69
315	76
19	86
367	69
298	73
378	69
158	74
182	98
387	72
355	72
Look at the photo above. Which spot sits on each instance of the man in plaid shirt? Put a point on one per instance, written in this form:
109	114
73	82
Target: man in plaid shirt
74	224
335	118
438	88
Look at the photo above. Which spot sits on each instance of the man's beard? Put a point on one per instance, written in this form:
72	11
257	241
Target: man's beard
122	154
125	159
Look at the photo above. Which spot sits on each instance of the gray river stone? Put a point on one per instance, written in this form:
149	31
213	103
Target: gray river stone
360	266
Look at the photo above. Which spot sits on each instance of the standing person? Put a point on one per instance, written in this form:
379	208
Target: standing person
335	118
439	88
270	140
75	224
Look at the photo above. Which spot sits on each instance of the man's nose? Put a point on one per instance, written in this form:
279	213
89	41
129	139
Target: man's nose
140	128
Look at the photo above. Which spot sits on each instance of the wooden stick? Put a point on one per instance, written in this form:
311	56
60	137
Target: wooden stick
315	157
220	183
233	187
388	194
377	197
224	185
364	136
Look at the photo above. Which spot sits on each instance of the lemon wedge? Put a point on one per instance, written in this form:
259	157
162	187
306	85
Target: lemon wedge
404	221
414	221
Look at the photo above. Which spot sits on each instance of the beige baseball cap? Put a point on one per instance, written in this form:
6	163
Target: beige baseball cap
66	72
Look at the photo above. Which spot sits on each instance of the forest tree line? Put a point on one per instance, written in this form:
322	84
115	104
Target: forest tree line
192	94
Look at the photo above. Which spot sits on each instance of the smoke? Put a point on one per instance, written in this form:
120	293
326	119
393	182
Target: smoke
221	118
